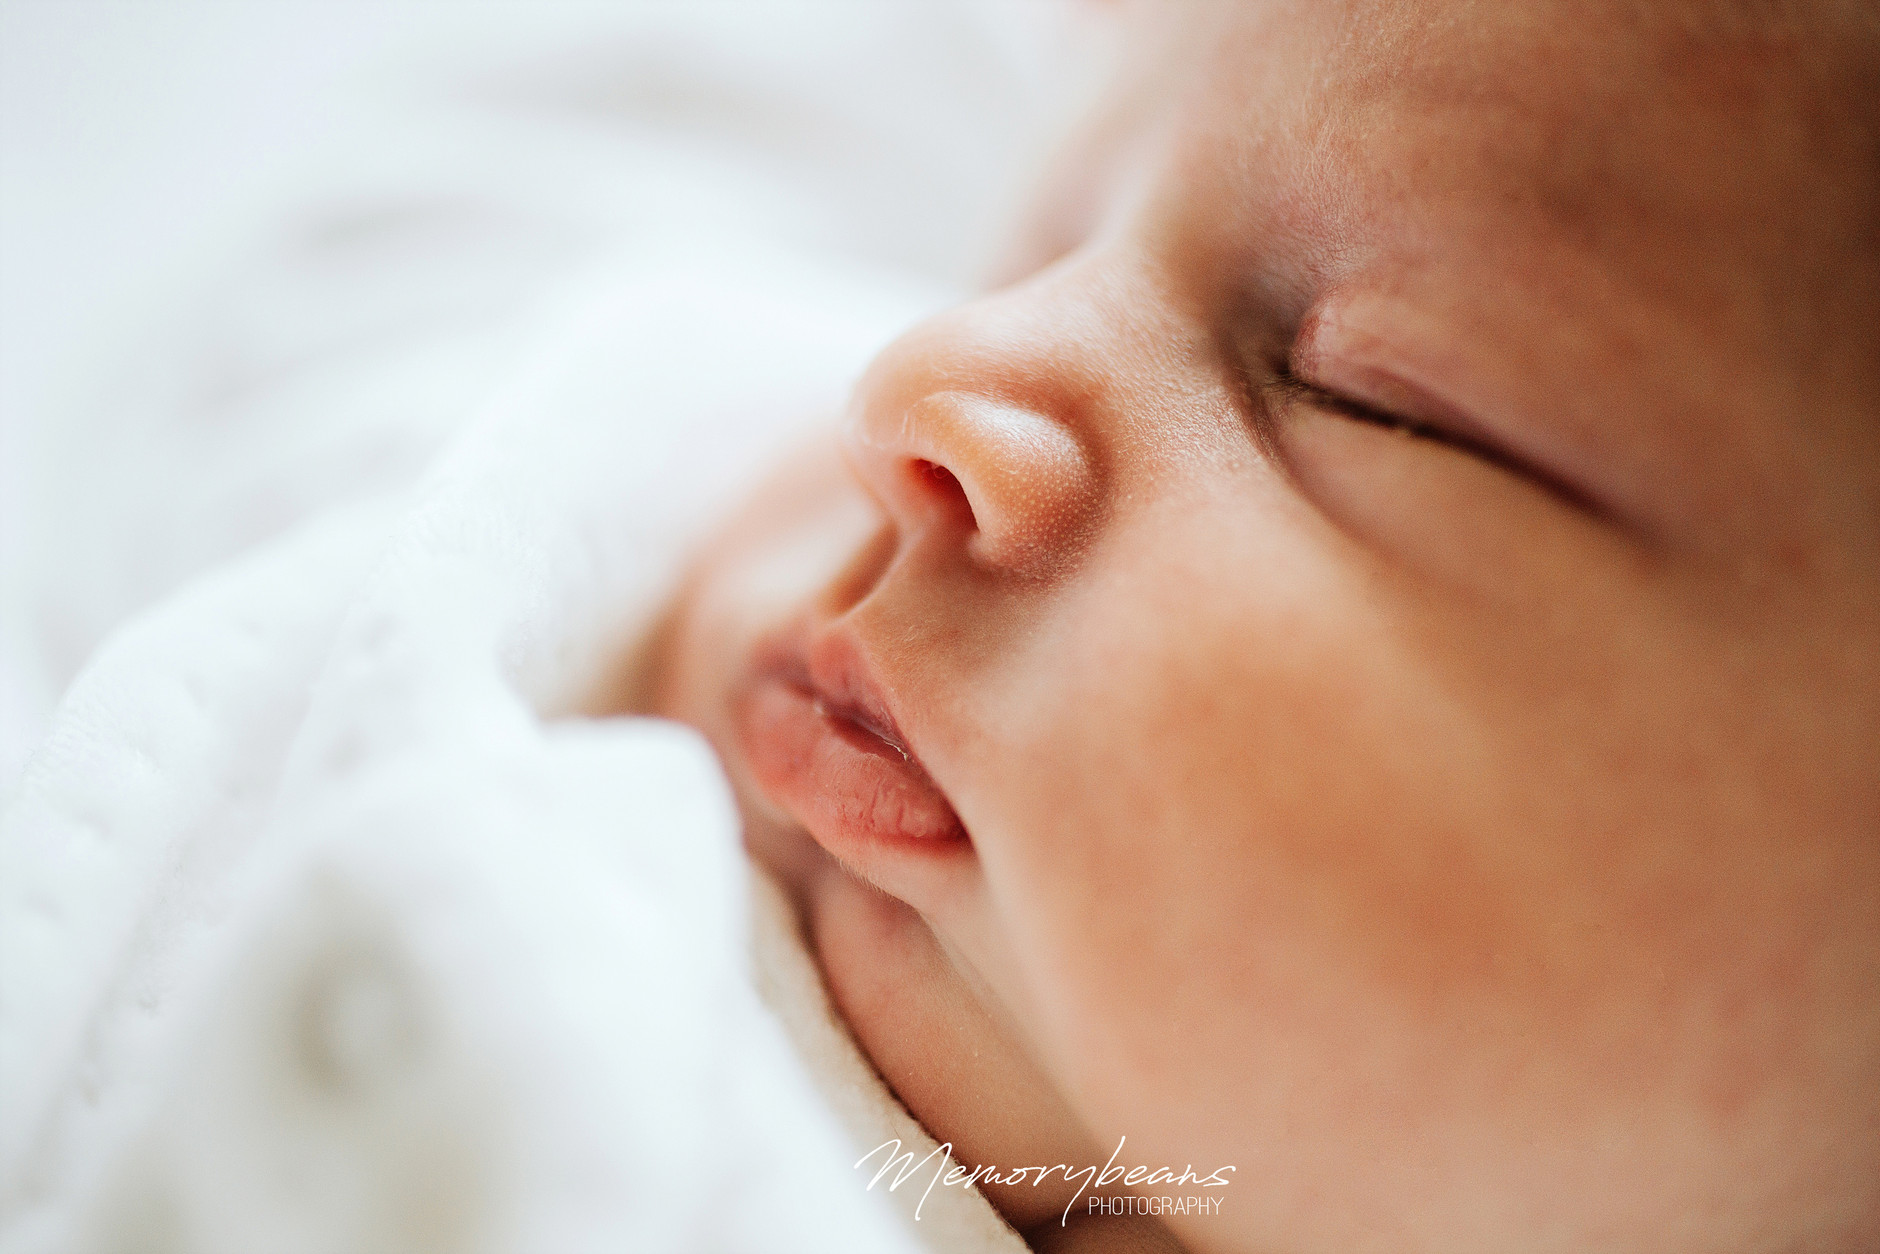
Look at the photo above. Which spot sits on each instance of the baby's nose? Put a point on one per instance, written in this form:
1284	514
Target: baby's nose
957	435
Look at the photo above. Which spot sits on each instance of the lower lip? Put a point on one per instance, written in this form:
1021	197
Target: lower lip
848	786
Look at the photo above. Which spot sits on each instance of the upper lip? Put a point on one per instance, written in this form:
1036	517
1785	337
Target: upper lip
840	678
820	772
830	666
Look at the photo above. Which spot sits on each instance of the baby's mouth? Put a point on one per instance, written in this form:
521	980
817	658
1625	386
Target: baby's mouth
822	746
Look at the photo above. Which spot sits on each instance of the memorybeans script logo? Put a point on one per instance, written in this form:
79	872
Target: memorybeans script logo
903	1164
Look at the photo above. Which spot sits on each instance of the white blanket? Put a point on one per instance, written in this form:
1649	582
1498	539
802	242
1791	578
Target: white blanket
330	919
328	923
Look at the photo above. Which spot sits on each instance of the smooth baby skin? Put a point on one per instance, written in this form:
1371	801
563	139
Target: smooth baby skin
1395	610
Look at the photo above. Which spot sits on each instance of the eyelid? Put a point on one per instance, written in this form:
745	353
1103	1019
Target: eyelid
1287	386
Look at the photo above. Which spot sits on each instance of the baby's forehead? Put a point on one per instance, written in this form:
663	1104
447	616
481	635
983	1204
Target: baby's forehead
1644	228
1570	78
1722	156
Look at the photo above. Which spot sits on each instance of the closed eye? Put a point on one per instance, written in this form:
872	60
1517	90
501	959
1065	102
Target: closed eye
1285	388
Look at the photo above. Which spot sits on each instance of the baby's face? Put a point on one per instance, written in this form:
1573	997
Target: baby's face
1367	667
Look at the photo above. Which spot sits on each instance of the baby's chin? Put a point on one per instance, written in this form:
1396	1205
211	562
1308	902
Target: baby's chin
949	1055
949	1058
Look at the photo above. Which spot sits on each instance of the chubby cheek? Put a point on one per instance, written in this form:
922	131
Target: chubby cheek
1190	854
1263	883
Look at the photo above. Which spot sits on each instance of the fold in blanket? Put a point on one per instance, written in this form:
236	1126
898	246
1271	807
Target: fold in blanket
324	924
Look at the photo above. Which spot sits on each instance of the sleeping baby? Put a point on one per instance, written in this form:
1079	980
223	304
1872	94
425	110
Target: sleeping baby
1335	709
1361	660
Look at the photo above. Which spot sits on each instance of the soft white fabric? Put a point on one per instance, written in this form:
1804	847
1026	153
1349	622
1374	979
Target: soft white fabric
320	930
327	921
318	337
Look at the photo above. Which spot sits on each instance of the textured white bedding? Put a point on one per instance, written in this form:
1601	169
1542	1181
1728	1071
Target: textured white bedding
327	921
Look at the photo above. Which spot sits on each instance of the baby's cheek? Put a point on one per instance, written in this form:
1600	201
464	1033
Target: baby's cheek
950	1060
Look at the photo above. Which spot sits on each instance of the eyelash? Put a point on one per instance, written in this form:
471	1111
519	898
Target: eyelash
1287	386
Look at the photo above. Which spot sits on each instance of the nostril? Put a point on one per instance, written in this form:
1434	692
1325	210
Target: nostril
945	487
1012	484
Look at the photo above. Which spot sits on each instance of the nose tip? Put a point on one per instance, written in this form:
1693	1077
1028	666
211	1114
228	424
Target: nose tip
1013	481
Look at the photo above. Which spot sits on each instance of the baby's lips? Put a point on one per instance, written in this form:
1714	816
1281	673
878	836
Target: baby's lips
854	790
